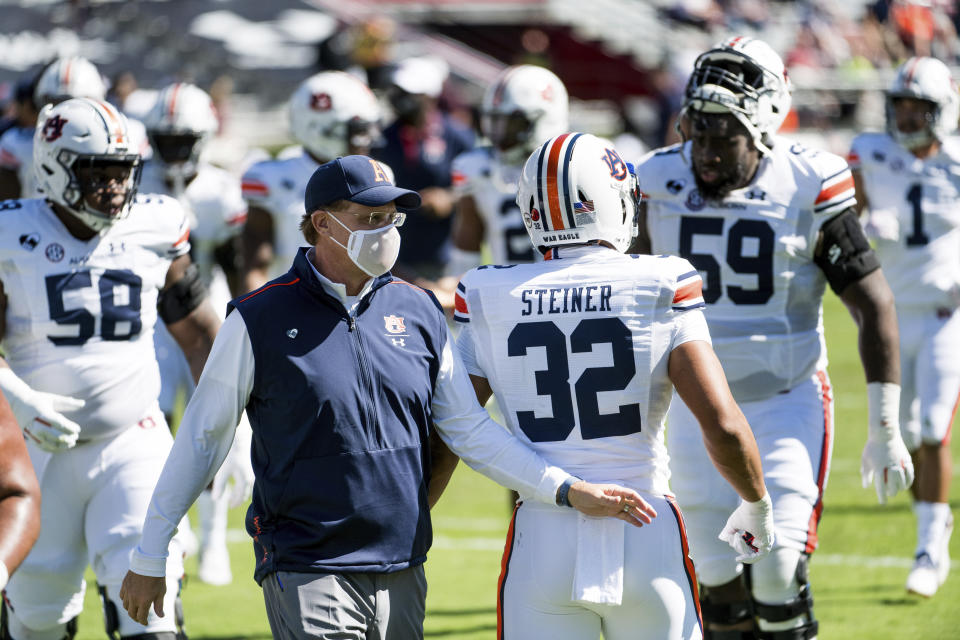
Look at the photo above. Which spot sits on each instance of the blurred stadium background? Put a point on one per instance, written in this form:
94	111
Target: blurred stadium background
625	63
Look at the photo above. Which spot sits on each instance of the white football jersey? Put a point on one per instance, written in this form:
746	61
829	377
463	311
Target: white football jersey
80	314
755	252
913	217
214	206
576	350
277	186
493	186
16	153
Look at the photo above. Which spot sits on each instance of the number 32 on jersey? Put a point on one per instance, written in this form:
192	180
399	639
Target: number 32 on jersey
554	381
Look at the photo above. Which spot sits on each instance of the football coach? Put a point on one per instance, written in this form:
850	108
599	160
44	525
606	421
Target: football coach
345	372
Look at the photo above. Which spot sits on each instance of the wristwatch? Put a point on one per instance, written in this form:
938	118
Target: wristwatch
564	491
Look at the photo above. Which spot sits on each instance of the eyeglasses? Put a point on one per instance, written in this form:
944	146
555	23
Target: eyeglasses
379	218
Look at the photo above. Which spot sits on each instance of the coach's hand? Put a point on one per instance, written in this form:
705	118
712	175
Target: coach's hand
139	592
749	529
610	500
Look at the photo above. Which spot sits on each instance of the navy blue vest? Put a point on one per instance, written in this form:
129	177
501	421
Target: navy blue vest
341	413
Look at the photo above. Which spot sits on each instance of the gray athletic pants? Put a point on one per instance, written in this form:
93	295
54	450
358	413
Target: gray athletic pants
347	606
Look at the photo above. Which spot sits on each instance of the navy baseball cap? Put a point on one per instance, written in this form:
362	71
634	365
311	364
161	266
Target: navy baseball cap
358	179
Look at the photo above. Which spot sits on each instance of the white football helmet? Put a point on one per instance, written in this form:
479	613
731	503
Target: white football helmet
523	108
745	77
576	189
83	135
68	78
332	111
179	124
925	79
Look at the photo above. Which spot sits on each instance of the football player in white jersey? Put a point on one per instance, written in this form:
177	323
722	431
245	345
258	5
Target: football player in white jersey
582	351
179	125
907	184
332	114
768	224
85	274
71	77
523	108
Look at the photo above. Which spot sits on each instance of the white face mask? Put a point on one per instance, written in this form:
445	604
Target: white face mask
374	251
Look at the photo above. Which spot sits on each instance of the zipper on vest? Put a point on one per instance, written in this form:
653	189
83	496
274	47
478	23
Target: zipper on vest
365	372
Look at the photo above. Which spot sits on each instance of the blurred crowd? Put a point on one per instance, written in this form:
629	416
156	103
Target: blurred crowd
839	57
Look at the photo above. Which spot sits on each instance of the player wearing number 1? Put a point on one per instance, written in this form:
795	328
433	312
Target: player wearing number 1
906	181
85	274
583	351
768	224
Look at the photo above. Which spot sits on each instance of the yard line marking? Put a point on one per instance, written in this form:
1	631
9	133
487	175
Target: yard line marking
495	544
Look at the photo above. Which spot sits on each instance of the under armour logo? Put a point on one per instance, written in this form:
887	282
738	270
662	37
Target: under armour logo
399	342
291	333
834	254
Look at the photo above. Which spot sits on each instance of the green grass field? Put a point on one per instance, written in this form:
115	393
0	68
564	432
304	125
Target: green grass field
857	574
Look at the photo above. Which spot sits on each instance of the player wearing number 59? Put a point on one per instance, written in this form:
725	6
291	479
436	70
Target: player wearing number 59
907	184
769	223
582	352
86	272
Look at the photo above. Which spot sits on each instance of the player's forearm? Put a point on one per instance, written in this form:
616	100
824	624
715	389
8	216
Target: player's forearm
734	453
20	514
19	493
195	335
871	304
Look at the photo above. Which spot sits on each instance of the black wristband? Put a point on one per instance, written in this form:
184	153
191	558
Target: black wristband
564	491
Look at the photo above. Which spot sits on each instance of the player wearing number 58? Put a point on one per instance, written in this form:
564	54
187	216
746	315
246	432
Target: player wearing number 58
345	373
907	188
769	223
86	271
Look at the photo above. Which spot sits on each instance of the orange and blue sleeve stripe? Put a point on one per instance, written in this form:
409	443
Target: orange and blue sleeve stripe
253	188
836	193
689	292
460	311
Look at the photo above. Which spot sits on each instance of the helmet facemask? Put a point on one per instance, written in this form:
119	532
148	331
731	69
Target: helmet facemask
101	188
362	136
179	152
726	80
928	80
510	133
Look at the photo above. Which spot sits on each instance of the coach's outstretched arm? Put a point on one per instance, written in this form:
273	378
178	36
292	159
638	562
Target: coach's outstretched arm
698	377
19	496
854	274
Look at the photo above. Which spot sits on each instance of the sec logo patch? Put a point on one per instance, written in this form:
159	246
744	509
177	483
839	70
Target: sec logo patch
54	252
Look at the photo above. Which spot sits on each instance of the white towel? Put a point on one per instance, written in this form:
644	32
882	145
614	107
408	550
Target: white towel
598	573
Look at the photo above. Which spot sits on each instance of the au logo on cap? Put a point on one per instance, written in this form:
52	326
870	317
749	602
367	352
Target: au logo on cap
378	173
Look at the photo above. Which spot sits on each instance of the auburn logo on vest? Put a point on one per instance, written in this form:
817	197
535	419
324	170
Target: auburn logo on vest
394	324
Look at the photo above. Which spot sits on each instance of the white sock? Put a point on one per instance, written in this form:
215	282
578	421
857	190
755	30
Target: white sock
932	519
